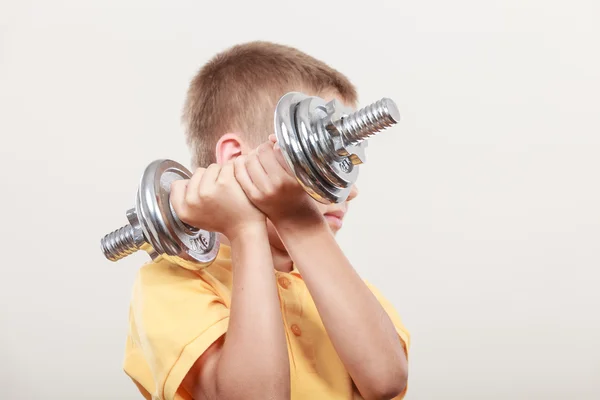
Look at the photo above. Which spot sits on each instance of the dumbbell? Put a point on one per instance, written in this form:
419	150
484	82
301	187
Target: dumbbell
154	226
323	144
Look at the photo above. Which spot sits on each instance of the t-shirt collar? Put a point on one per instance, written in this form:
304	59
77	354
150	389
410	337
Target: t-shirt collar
224	257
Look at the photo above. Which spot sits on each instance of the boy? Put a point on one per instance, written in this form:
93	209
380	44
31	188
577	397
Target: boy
281	313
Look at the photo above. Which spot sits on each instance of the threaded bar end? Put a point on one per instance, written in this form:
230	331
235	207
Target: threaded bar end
119	244
368	121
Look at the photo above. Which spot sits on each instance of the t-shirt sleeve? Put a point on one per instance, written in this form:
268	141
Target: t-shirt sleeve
394	316
175	315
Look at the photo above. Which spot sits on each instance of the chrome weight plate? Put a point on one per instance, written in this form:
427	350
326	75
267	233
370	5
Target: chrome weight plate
187	246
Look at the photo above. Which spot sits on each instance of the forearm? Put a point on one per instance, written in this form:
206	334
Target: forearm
254	360
358	326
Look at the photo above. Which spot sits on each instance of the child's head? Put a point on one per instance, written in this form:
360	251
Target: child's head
231	101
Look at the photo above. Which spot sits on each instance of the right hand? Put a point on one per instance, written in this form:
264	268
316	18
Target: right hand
214	201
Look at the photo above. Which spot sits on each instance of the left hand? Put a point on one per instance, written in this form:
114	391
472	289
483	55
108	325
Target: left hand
268	183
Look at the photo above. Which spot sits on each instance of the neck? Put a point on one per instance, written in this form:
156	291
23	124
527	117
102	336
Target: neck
282	261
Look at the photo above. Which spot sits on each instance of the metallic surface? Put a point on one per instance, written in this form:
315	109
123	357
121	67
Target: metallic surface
324	142
154	227
119	244
336	175
287	138
366	122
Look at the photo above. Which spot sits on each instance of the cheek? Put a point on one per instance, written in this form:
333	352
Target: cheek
321	207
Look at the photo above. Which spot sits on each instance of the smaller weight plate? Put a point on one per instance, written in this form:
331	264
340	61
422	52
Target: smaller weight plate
189	247
338	174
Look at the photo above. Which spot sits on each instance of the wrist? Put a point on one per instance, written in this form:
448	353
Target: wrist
303	223
247	230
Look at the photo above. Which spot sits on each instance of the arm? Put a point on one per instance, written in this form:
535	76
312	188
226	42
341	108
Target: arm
361	331
251	362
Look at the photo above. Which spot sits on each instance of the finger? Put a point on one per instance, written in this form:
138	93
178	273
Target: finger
177	197
192	192
273	138
243	178
209	178
281	159
226	172
268	160
257	173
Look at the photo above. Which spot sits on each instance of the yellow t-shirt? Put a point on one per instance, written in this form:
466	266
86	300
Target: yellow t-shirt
176	314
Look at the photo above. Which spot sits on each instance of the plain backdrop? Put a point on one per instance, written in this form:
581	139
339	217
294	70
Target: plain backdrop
478	215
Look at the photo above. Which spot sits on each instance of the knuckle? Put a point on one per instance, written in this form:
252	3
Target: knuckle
192	201
263	148
256	196
220	185
206	194
268	193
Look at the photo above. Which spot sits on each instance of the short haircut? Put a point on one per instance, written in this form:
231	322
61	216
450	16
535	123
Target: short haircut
238	89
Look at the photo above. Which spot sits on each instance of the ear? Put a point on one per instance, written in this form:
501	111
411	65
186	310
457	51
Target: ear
228	147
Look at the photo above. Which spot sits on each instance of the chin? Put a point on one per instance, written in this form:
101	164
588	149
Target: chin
334	229
334	223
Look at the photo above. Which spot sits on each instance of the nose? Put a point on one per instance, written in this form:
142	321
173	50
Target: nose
353	193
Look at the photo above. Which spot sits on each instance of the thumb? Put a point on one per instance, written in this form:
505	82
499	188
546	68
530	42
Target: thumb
281	159
177	198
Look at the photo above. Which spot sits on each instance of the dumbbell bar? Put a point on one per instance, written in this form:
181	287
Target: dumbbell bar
323	144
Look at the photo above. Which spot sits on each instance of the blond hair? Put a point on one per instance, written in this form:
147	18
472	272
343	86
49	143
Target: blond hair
238	89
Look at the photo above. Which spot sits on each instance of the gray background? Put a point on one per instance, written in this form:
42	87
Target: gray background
478	214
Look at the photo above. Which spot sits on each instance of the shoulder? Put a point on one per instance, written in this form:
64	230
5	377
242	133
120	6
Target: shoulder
165	277
164	292
163	270
175	315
